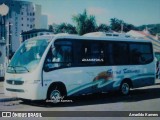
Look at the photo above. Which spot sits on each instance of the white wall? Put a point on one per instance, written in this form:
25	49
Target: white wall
38	16
44	22
21	21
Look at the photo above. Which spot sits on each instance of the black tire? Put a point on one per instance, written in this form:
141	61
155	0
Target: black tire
25	100
125	88
55	94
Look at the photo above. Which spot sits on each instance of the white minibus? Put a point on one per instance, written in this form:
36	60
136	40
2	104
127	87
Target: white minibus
47	67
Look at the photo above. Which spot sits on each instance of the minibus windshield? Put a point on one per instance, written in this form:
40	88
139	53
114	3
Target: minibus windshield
28	56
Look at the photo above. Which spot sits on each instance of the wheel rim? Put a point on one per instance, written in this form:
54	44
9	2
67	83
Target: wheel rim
55	96
125	88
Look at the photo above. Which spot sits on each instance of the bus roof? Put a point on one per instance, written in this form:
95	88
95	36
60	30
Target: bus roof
101	38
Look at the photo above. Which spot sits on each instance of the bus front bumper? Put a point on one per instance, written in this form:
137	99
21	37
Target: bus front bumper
25	91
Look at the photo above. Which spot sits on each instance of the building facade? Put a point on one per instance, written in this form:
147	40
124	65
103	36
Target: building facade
44	21
22	16
34	33
2	57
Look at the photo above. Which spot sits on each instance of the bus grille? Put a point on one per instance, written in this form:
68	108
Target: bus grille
14	82
14	90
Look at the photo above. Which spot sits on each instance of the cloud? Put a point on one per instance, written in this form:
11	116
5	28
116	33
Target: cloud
97	11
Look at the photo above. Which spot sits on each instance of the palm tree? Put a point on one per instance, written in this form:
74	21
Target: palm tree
116	24
103	28
84	23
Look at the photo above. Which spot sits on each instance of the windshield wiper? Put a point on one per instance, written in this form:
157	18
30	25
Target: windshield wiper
22	67
13	68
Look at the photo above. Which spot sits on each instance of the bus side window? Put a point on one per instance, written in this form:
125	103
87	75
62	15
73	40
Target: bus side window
92	53
141	53
97	53
120	53
59	56
48	62
117	53
109	54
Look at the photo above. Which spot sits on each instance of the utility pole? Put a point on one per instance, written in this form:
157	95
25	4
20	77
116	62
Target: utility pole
9	41
4	9
121	27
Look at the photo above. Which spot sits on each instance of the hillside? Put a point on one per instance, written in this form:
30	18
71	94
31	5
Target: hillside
153	28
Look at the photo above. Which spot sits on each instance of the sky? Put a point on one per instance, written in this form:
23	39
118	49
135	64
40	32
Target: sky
136	12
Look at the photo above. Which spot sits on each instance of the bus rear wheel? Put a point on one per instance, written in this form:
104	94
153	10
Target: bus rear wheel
125	88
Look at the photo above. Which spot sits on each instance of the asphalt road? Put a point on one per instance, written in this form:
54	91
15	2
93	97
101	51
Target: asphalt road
141	99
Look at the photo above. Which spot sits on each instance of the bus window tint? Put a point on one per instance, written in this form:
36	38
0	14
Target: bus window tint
63	50
141	53
59	55
109	54
120	53
63	53
92	53
117	54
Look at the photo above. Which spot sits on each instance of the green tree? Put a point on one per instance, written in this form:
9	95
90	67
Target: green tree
103	28
128	27
116	24
51	28
66	28
71	29
55	28
84	23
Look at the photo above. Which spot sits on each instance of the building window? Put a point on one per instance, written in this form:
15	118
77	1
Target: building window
22	18
22	24
30	26
21	13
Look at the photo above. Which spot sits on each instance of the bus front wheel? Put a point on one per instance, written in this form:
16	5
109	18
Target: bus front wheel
125	88
55	94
